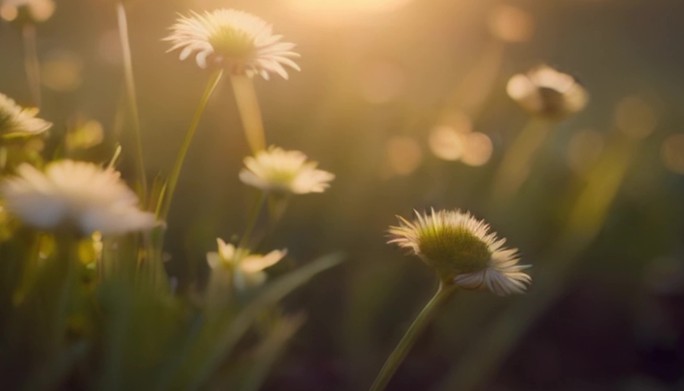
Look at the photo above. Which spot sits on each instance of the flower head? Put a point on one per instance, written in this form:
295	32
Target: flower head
248	269
26	10
16	121
236	40
548	93
77	195
284	171
463	251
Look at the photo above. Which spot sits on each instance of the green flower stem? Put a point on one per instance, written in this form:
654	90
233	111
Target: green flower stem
31	62
248	106
408	340
515	166
253	218
167	195
132	98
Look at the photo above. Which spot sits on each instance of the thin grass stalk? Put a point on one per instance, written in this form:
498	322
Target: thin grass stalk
170	189
443	294
31	62
250	113
132	99
252	221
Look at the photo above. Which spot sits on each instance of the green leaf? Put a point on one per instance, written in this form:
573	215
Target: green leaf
203	360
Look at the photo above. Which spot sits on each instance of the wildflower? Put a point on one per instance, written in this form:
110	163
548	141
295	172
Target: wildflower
248	269
236	40
16	121
74	195
284	171
547	93
26	10
463	251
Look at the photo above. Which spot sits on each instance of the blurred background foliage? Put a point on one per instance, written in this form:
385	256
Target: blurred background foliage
600	217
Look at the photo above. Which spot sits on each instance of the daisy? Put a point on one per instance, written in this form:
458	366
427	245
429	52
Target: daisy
236	40
74	195
278	170
546	92
16	121
248	269
463	251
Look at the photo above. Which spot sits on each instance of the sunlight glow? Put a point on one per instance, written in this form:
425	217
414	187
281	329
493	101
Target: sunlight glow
347	7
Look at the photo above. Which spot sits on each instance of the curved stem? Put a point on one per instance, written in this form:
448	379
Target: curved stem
408	340
167	195
250	113
132	97
31	62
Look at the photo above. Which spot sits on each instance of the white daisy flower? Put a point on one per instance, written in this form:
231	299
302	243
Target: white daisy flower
236	40
16	121
26	10
248	269
463	251
75	195
546	92
284	171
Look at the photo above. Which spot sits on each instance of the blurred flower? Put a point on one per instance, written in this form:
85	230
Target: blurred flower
83	135
16	121
463	251
26	10
248	269
545	92
284	171
236	40
71	194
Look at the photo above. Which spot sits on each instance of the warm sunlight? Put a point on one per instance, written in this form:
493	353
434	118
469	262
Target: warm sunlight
347	7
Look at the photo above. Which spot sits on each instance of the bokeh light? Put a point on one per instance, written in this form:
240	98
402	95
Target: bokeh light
447	143
635	117
477	149
62	71
672	153
403	155
511	24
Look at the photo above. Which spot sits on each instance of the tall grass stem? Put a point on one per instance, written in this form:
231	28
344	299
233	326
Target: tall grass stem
250	113
172	182
31	62
132	99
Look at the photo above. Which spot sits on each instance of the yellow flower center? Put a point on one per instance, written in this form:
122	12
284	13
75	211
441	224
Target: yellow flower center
453	250
231	43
